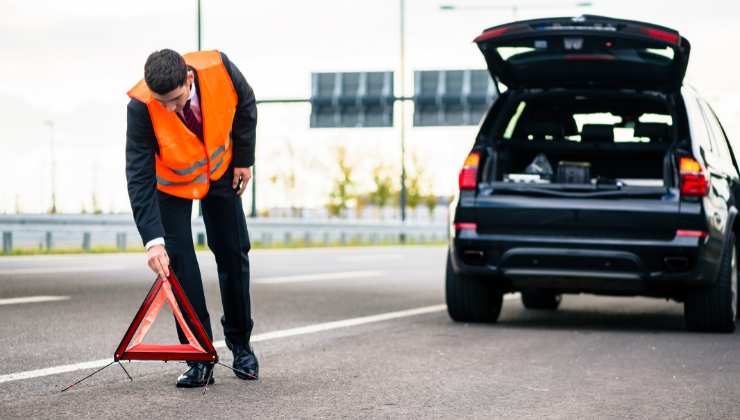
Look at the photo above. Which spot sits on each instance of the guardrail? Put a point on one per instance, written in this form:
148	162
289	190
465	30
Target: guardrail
49	232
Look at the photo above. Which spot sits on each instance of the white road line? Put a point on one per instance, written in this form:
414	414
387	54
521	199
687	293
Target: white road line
363	258
291	332
32	299
319	277
57	270
311	329
30	374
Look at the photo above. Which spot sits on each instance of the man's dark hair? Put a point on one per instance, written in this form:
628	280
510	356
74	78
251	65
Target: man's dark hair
164	71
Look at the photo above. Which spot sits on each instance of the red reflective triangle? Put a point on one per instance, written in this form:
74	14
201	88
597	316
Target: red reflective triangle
199	347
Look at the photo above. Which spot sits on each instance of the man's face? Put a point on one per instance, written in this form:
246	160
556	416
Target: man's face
174	100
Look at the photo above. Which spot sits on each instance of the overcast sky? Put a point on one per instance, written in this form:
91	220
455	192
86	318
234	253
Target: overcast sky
71	62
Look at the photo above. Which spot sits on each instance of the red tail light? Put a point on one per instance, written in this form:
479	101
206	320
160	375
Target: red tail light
661	35
465	226
468	178
493	33
693	180
691	233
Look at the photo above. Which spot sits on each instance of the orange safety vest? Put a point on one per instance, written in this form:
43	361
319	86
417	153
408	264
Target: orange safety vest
185	165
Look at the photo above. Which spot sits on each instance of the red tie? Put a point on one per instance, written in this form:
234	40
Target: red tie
191	121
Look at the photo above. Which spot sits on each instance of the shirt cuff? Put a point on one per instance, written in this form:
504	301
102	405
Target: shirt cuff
155	241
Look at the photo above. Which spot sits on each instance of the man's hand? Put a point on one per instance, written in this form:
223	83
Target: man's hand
243	174
158	261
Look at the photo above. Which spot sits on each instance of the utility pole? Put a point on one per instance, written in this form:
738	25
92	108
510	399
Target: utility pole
200	42
253	212
200	39
402	87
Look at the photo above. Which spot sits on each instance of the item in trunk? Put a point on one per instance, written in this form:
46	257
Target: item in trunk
642	182
540	166
525	178
574	172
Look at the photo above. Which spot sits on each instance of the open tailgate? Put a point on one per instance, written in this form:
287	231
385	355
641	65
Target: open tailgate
585	51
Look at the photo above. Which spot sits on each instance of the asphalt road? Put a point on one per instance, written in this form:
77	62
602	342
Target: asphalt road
355	333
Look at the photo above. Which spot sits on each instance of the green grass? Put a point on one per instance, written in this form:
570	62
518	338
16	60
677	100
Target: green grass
255	245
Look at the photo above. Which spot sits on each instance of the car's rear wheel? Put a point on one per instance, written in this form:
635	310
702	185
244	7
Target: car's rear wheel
714	308
541	299
471	299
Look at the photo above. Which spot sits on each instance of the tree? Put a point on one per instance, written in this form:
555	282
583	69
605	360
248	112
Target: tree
413	192
96	204
413	184
288	179
430	200
343	185
361	201
383	192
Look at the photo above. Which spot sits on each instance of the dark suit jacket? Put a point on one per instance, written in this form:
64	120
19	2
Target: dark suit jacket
141	145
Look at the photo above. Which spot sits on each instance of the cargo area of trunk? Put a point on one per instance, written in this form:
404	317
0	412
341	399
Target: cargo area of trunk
599	137
598	164
566	162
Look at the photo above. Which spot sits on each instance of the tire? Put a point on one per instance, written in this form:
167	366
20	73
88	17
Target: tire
471	299
541	299
714	308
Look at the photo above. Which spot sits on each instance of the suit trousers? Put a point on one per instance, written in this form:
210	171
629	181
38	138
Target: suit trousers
228	239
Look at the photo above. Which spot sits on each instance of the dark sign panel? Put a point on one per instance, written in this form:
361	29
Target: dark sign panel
356	99
452	97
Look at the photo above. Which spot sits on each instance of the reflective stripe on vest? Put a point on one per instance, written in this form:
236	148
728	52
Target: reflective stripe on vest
185	164
200	179
217	152
215	167
197	165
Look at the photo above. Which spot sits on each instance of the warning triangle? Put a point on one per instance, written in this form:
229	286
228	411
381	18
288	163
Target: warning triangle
198	348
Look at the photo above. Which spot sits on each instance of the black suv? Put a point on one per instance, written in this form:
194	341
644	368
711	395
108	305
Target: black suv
594	171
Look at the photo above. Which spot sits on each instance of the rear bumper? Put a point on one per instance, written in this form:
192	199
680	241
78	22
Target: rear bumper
583	264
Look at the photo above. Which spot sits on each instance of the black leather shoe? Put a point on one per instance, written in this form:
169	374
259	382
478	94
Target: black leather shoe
196	376
245	362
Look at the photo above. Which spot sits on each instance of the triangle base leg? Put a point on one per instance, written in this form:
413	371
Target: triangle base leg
125	371
88	376
205	388
235	370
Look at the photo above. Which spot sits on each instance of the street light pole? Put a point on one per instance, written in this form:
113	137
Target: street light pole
200	39
53	209
200	42
402	87
253	213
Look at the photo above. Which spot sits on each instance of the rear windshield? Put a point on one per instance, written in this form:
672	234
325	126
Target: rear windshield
561	117
534	51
